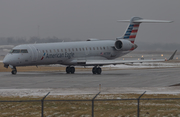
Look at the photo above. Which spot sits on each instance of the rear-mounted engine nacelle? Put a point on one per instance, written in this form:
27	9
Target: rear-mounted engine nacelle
124	45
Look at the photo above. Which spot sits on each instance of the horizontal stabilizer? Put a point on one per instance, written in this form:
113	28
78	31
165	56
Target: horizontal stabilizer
141	20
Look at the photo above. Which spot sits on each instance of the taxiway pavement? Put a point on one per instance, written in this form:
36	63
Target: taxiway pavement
161	77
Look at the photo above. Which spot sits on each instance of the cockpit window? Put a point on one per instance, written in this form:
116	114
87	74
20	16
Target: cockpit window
19	51
11	51
16	51
24	51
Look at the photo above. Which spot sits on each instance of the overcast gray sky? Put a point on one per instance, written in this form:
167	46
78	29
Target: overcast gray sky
83	19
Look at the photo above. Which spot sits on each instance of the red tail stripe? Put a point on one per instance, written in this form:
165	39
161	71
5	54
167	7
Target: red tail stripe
134	31
132	41
137	25
132	36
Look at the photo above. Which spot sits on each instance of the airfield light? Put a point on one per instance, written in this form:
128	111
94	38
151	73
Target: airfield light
123	58
142	56
162	55
138	58
176	57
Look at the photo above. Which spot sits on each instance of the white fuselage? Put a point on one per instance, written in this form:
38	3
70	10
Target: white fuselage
66	53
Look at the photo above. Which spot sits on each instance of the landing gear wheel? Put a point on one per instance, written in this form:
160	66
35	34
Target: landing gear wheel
70	70
96	70
67	70
14	72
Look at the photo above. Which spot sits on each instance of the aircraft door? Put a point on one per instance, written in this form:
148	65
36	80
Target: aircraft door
34	53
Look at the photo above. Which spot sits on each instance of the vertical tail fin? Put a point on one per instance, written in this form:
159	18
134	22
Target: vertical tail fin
132	29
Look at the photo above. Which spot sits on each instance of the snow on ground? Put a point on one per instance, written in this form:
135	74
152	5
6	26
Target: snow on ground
105	90
79	91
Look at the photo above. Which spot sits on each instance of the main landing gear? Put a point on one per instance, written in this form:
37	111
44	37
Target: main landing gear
96	70
70	70
14	71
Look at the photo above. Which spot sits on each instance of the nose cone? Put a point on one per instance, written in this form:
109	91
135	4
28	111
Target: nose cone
6	60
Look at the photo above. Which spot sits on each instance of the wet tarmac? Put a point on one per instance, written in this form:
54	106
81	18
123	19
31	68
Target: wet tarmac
160	77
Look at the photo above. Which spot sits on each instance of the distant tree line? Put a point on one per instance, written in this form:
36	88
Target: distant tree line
23	40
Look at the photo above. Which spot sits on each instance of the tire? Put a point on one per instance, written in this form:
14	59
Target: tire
98	70
72	70
14	72
94	70
67	70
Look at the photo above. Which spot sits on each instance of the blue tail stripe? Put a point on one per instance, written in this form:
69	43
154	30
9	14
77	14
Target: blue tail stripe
127	34
126	37
128	31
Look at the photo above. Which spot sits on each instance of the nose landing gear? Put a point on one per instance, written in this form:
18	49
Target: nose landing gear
70	70
14	70
96	70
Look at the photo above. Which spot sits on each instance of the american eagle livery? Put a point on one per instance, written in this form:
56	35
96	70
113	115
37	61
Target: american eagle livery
92	52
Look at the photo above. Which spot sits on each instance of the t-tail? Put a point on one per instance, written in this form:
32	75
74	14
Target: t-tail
132	29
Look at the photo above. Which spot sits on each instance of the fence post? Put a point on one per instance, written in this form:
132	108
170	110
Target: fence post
138	103
42	104
93	103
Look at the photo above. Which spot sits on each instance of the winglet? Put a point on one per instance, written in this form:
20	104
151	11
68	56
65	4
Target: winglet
172	56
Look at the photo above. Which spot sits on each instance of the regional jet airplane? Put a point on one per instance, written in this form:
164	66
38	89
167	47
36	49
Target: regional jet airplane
92	52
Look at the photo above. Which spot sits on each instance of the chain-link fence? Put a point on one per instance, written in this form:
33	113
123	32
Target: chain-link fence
90	107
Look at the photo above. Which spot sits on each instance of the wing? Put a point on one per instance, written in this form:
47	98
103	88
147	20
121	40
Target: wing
101	62
114	62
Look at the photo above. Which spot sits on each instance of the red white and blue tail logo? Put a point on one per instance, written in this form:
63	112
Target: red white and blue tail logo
131	32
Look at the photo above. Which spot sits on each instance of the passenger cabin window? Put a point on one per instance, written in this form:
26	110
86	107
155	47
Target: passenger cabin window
83	49
97	48
46	51
57	50
50	50
104	48
61	50
24	51
43	51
